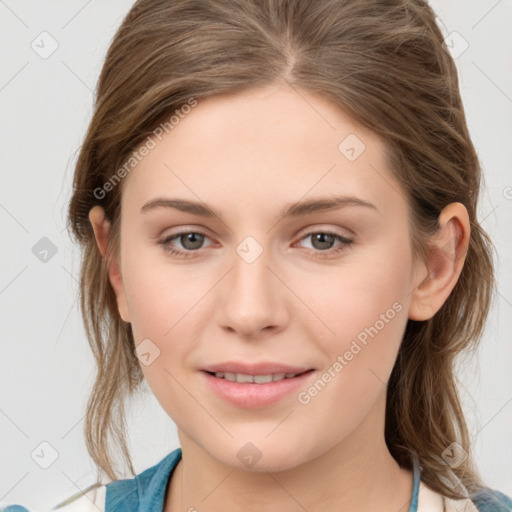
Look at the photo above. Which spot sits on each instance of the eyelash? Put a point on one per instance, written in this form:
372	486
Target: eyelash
345	243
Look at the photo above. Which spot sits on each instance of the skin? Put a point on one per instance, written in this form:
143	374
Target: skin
246	156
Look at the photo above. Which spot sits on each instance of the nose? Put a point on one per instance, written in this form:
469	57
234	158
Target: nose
253	299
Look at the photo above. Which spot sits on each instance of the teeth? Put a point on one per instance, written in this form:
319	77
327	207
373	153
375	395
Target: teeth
258	379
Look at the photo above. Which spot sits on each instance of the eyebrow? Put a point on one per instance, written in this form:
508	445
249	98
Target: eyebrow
290	210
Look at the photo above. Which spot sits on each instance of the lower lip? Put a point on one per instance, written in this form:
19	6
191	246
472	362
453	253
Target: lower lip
250	395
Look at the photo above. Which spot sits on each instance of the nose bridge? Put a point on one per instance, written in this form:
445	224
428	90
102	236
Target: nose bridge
250	277
251	295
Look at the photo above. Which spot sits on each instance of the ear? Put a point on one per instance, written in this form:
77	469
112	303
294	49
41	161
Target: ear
439	274
101	228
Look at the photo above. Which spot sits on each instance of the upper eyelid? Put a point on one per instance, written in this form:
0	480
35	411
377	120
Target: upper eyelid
313	227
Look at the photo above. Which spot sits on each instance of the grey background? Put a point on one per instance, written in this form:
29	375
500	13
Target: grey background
46	365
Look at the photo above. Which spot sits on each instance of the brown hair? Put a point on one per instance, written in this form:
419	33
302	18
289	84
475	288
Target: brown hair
382	62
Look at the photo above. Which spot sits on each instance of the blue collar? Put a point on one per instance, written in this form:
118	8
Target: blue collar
415	484
145	492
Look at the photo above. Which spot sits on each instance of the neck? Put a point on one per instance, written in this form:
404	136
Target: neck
357	474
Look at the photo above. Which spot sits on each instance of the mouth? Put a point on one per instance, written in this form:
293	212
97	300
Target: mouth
256	391
256	379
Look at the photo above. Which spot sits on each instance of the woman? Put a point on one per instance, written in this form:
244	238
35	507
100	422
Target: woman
277	205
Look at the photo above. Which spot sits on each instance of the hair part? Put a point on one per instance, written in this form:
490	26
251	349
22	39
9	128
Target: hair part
381	62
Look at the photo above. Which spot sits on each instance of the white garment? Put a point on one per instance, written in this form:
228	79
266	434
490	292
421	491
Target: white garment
431	501
91	501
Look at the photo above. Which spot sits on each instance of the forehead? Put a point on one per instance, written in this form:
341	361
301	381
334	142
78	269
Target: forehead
262	147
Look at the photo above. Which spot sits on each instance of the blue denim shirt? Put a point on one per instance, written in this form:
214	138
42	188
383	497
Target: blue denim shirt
146	491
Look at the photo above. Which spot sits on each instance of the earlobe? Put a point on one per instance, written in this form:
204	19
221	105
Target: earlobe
101	227
445	260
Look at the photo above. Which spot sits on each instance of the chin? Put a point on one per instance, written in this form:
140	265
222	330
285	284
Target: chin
250	458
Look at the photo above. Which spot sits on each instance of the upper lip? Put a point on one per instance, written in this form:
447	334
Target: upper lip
262	368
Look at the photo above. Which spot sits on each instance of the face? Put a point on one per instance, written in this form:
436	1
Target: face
323	289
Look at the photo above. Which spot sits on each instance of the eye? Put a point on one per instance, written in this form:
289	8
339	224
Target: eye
322	243
191	241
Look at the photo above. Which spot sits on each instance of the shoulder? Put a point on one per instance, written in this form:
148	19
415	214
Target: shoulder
145	490
125	495
92	500
491	500
485	500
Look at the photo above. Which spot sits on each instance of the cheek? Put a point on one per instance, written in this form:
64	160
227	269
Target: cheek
364	286
167	306
165	327
159	295
362	307
366	308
